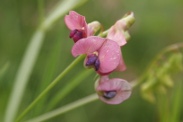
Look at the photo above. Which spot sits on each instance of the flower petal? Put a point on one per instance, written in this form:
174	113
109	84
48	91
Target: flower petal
121	66
109	56
116	33
120	86
75	21
87	45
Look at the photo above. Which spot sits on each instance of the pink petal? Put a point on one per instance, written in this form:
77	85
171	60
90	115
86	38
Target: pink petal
109	56
121	66
87	45
122	87
75	21
90	31
116	33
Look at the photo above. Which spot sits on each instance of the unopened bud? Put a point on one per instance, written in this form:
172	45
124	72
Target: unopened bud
128	20
94	26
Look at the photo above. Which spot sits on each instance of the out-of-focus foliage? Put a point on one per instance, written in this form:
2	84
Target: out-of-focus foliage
158	77
158	24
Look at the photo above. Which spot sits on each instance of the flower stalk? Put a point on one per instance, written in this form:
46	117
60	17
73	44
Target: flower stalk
31	54
53	83
87	32
83	101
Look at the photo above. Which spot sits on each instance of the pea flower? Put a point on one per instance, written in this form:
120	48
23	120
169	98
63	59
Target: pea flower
112	91
103	54
78	26
118	32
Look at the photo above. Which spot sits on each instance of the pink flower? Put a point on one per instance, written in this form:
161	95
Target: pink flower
112	91
101	53
78	26
119	31
116	33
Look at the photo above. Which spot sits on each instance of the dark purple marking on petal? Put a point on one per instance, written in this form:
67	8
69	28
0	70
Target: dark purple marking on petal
76	35
97	64
91	60
109	94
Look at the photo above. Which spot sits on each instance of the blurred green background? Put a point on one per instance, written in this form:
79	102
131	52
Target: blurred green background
158	24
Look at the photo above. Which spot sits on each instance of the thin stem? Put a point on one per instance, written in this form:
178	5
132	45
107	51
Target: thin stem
94	97
104	33
30	56
65	108
68	107
62	74
69	87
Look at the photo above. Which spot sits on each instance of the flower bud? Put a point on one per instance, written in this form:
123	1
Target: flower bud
94	26
128	20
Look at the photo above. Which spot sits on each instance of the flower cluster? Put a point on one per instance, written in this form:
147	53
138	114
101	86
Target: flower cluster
102	54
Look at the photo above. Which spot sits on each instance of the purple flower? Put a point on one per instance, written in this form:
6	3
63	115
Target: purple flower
112	91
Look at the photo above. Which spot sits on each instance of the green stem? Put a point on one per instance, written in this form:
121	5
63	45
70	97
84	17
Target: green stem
68	107
104	33
62	74
30	56
69	87
94	97
65	108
